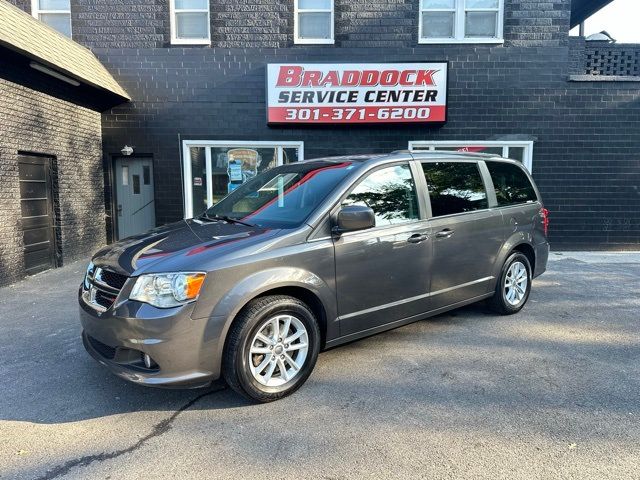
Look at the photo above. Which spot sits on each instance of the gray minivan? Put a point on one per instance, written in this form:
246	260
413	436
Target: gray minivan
311	255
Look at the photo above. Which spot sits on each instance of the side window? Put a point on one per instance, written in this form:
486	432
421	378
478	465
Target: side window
511	184
454	187
390	192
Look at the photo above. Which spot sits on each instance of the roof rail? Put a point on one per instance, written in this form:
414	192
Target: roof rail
454	153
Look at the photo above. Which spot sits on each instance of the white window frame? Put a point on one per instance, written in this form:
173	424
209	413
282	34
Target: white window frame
312	41
431	145
207	145
174	27
36	11
459	25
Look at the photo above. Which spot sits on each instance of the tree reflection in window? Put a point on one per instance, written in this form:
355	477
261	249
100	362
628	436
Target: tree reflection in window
390	193
454	187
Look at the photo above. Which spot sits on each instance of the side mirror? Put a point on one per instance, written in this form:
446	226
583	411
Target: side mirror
354	217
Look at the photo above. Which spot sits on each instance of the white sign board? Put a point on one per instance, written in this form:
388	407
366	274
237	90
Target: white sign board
357	93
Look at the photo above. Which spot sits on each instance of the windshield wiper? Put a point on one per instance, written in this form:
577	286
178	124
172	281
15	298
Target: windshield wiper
225	218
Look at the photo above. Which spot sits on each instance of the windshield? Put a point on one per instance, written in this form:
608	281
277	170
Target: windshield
282	197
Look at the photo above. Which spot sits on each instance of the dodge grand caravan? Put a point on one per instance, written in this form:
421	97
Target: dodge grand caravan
308	256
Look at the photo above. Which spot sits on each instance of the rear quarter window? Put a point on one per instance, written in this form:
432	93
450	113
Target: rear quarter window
511	184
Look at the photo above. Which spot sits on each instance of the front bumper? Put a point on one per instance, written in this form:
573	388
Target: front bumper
178	345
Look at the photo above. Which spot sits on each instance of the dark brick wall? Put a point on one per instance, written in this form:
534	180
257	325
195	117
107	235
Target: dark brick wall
120	23
586	158
33	121
269	23
537	22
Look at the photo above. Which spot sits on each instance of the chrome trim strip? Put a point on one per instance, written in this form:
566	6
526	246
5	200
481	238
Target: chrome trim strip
86	297
412	299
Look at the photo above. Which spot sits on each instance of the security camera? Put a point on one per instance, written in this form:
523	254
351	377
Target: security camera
127	150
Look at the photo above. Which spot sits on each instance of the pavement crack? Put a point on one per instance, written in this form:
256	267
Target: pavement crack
158	429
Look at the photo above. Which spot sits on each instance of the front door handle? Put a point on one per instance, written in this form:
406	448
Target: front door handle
446	233
417	238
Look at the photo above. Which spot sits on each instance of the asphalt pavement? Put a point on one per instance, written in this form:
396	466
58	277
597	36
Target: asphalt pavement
553	392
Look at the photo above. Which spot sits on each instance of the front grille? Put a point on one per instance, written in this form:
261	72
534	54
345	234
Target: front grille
104	350
105	288
113	279
104	299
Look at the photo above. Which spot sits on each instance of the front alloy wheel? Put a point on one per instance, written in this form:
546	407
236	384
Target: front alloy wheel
271	348
278	351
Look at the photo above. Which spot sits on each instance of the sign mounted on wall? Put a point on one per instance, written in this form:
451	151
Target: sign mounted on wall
302	93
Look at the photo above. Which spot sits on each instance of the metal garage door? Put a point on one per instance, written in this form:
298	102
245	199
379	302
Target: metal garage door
36	203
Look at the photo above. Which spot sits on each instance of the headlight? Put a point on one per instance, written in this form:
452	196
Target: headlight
89	275
165	290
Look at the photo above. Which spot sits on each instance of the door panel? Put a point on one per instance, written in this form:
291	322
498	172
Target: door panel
36	205
382	274
381	277
467	235
463	260
135	204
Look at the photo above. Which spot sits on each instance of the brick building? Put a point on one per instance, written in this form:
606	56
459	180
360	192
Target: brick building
517	84
52	91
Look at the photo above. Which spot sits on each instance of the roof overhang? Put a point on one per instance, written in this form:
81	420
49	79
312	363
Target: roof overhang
23	34
583	9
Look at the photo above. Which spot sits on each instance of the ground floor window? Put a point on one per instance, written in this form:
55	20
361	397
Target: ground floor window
212	169
516	150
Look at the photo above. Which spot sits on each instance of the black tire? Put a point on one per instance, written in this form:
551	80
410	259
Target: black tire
499	302
235	362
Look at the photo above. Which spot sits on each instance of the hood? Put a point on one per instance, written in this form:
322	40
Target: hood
186	238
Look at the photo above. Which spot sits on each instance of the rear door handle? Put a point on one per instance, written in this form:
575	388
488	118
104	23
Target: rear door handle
446	233
417	238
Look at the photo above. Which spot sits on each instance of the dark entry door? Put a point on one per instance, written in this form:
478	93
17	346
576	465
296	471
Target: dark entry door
36	203
134	196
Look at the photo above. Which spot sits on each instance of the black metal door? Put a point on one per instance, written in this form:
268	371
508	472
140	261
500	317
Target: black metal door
38	223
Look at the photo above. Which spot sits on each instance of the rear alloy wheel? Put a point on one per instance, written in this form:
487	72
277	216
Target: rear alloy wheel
514	285
271	348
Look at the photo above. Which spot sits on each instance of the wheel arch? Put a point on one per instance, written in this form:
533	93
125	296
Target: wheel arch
528	251
521	242
299	283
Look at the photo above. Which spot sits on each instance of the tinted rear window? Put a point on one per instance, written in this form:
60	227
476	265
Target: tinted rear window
511	184
454	188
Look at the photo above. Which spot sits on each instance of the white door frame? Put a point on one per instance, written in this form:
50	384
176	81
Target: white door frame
505	144
186	162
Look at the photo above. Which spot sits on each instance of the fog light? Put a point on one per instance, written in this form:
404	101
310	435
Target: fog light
148	362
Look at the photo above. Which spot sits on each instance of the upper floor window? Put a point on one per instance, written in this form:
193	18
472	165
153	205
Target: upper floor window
313	21
55	13
464	21
190	22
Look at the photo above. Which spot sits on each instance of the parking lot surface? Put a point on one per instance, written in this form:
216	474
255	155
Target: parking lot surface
553	392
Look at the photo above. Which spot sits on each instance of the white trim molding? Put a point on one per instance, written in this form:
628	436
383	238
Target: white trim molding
207	145
175	40
296	25
432	145
459	12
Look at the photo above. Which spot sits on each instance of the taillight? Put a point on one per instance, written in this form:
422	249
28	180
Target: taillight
544	213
